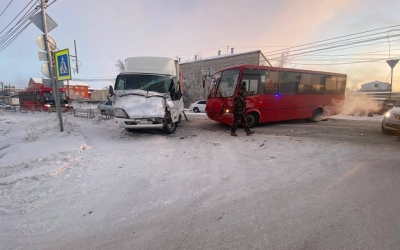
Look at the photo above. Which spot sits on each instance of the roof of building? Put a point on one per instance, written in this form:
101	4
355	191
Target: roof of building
375	82
71	83
224	56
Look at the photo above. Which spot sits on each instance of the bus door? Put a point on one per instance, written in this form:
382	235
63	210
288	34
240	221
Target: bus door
252	84
261	86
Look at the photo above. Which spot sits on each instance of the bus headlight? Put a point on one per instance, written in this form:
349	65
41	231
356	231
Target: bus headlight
226	111
120	113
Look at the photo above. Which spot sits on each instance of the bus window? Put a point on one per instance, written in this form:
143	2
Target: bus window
253	86
341	85
227	85
304	83
271	82
287	82
214	84
317	84
330	84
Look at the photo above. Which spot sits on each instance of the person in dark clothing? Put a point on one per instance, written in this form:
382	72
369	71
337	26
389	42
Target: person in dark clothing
239	109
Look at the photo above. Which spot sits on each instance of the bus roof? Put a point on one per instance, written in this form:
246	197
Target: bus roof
253	66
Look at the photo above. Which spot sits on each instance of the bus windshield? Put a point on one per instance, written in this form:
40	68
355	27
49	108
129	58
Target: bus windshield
48	96
225	83
160	84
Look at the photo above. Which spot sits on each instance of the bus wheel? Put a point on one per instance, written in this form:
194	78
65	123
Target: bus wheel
317	116
170	128
252	120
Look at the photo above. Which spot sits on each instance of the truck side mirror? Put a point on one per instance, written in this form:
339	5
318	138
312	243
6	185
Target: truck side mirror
110	90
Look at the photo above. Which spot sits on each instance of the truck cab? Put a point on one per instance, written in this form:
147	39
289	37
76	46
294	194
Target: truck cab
148	94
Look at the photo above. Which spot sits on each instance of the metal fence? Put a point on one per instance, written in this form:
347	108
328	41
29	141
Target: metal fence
77	112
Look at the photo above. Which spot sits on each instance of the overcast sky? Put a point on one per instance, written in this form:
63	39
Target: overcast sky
106	31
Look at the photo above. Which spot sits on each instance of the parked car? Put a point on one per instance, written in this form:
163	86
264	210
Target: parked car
4	106
197	107
391	120
106	108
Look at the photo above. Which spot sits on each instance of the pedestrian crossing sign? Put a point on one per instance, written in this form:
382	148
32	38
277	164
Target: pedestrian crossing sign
63	67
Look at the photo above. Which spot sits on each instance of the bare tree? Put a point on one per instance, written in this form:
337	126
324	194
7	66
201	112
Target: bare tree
120	65
283	60
193	86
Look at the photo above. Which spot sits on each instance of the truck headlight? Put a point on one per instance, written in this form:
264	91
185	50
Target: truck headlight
120	113
170	104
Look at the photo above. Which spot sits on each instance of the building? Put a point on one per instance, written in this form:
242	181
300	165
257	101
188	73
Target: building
77	89
99	95
375	86
194	70
9	94
210	65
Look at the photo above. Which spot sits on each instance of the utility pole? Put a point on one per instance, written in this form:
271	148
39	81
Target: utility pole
51	69
2	89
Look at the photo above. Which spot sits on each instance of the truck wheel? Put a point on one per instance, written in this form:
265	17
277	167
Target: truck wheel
170	128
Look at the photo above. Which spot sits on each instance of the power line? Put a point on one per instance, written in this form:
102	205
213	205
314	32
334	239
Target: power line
335	38
17	16
7	36
6	8
13	38
51	3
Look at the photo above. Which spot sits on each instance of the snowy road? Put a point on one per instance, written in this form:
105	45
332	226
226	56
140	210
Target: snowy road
293	185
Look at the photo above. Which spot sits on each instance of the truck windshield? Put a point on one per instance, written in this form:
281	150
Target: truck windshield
154	83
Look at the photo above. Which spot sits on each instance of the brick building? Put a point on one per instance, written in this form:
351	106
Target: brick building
77	90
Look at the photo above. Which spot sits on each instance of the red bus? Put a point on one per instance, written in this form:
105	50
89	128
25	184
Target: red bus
275	94
39	96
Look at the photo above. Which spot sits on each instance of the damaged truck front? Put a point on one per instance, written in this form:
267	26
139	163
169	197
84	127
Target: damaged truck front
148	94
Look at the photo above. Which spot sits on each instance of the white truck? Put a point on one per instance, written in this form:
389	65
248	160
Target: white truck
148	94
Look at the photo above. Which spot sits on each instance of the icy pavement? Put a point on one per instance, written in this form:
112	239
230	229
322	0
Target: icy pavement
94	186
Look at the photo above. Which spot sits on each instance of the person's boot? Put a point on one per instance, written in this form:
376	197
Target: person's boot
248	132
233	132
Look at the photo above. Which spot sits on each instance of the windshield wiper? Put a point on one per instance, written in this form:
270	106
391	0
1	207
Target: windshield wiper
131	94
146	95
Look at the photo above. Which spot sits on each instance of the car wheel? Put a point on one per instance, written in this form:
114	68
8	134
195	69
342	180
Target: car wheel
196	110
103	112
252	120
383	129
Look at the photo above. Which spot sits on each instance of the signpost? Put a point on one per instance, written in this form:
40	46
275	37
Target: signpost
392	64
46	24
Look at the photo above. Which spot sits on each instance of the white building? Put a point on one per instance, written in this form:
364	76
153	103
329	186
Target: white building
374	86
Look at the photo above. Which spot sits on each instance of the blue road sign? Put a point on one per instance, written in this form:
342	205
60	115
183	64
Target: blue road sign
63	68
